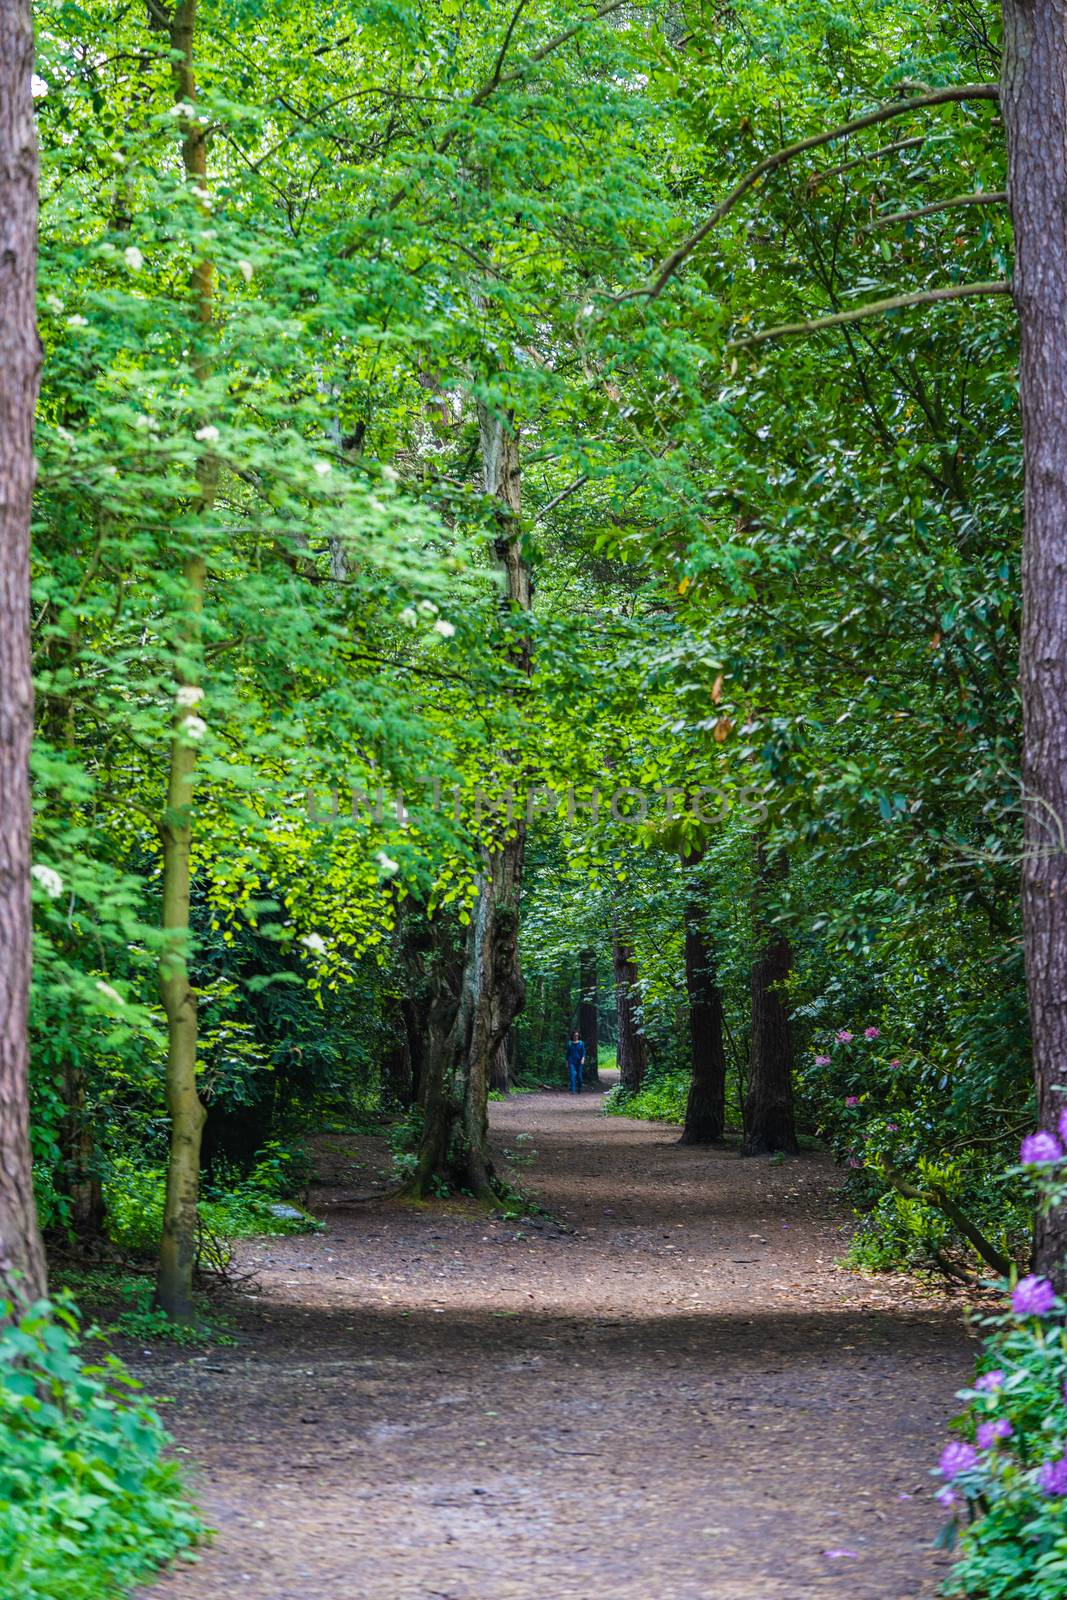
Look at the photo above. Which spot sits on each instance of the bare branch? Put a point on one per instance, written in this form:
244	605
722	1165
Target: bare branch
992	197
771	163
873	308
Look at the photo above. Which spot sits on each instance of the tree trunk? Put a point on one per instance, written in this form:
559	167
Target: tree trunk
22	1264
1034	107
500	1072
632	1054
80	1166
589	1014
177	1254
769	1102
705	1110
493	989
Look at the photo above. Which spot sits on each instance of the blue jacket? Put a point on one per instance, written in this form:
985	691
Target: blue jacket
575	1053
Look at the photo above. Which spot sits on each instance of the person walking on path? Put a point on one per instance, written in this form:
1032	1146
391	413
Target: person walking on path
576	1061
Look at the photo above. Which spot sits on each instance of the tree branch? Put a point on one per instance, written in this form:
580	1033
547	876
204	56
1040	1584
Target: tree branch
935	1196
874	308
992	197
771	163
821	174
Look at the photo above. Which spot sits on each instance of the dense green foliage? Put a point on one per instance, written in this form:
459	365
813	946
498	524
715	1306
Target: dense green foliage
782	577
88	1504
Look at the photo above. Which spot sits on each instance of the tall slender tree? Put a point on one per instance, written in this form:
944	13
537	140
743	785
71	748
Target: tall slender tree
705	1110
22	1264
632	1050
769	1124
1034	107
178	1247
589	1014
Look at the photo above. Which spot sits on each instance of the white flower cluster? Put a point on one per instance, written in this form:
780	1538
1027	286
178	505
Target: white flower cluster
387	864
189	695
48	878
410	618
314	942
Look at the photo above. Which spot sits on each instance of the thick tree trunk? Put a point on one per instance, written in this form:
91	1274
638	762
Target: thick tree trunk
22	1264
632	1055
177	1254
769	1122
705	1110
589	1014
1034	107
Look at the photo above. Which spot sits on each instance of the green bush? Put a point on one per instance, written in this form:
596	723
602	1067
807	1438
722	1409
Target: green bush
231	1207
88	1505
661	1099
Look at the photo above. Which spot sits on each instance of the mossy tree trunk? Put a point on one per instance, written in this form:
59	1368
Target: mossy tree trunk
177	1255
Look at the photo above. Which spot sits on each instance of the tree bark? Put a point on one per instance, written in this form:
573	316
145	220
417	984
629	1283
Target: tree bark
769	1122
22	1263
1034	106
589	1014
632	1054
177	1254
493	989
705	1110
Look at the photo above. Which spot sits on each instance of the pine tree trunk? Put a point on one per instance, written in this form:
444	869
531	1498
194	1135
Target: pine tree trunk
22	1263
589	1015
769	1122
632	1055
177	1253
1034	108
705	1110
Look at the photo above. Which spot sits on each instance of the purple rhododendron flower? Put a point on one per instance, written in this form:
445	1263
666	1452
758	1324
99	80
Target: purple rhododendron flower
852	1100
1033	1297
1052	1479
853	1161
988	1433
958	1457
843	1036
892	1127
872	1033
990	1380
895	1062
1039	1149
823	1061
947	1496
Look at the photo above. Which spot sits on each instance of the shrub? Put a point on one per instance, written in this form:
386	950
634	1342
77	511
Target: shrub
88	1505
231	1207
1007	1475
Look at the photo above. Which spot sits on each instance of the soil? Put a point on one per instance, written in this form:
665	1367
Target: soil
667	1389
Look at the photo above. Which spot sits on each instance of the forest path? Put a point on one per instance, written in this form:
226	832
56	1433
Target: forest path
681	1399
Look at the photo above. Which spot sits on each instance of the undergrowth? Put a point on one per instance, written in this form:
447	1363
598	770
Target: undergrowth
89	1505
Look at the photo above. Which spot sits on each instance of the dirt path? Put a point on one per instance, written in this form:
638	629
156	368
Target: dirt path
682	1399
